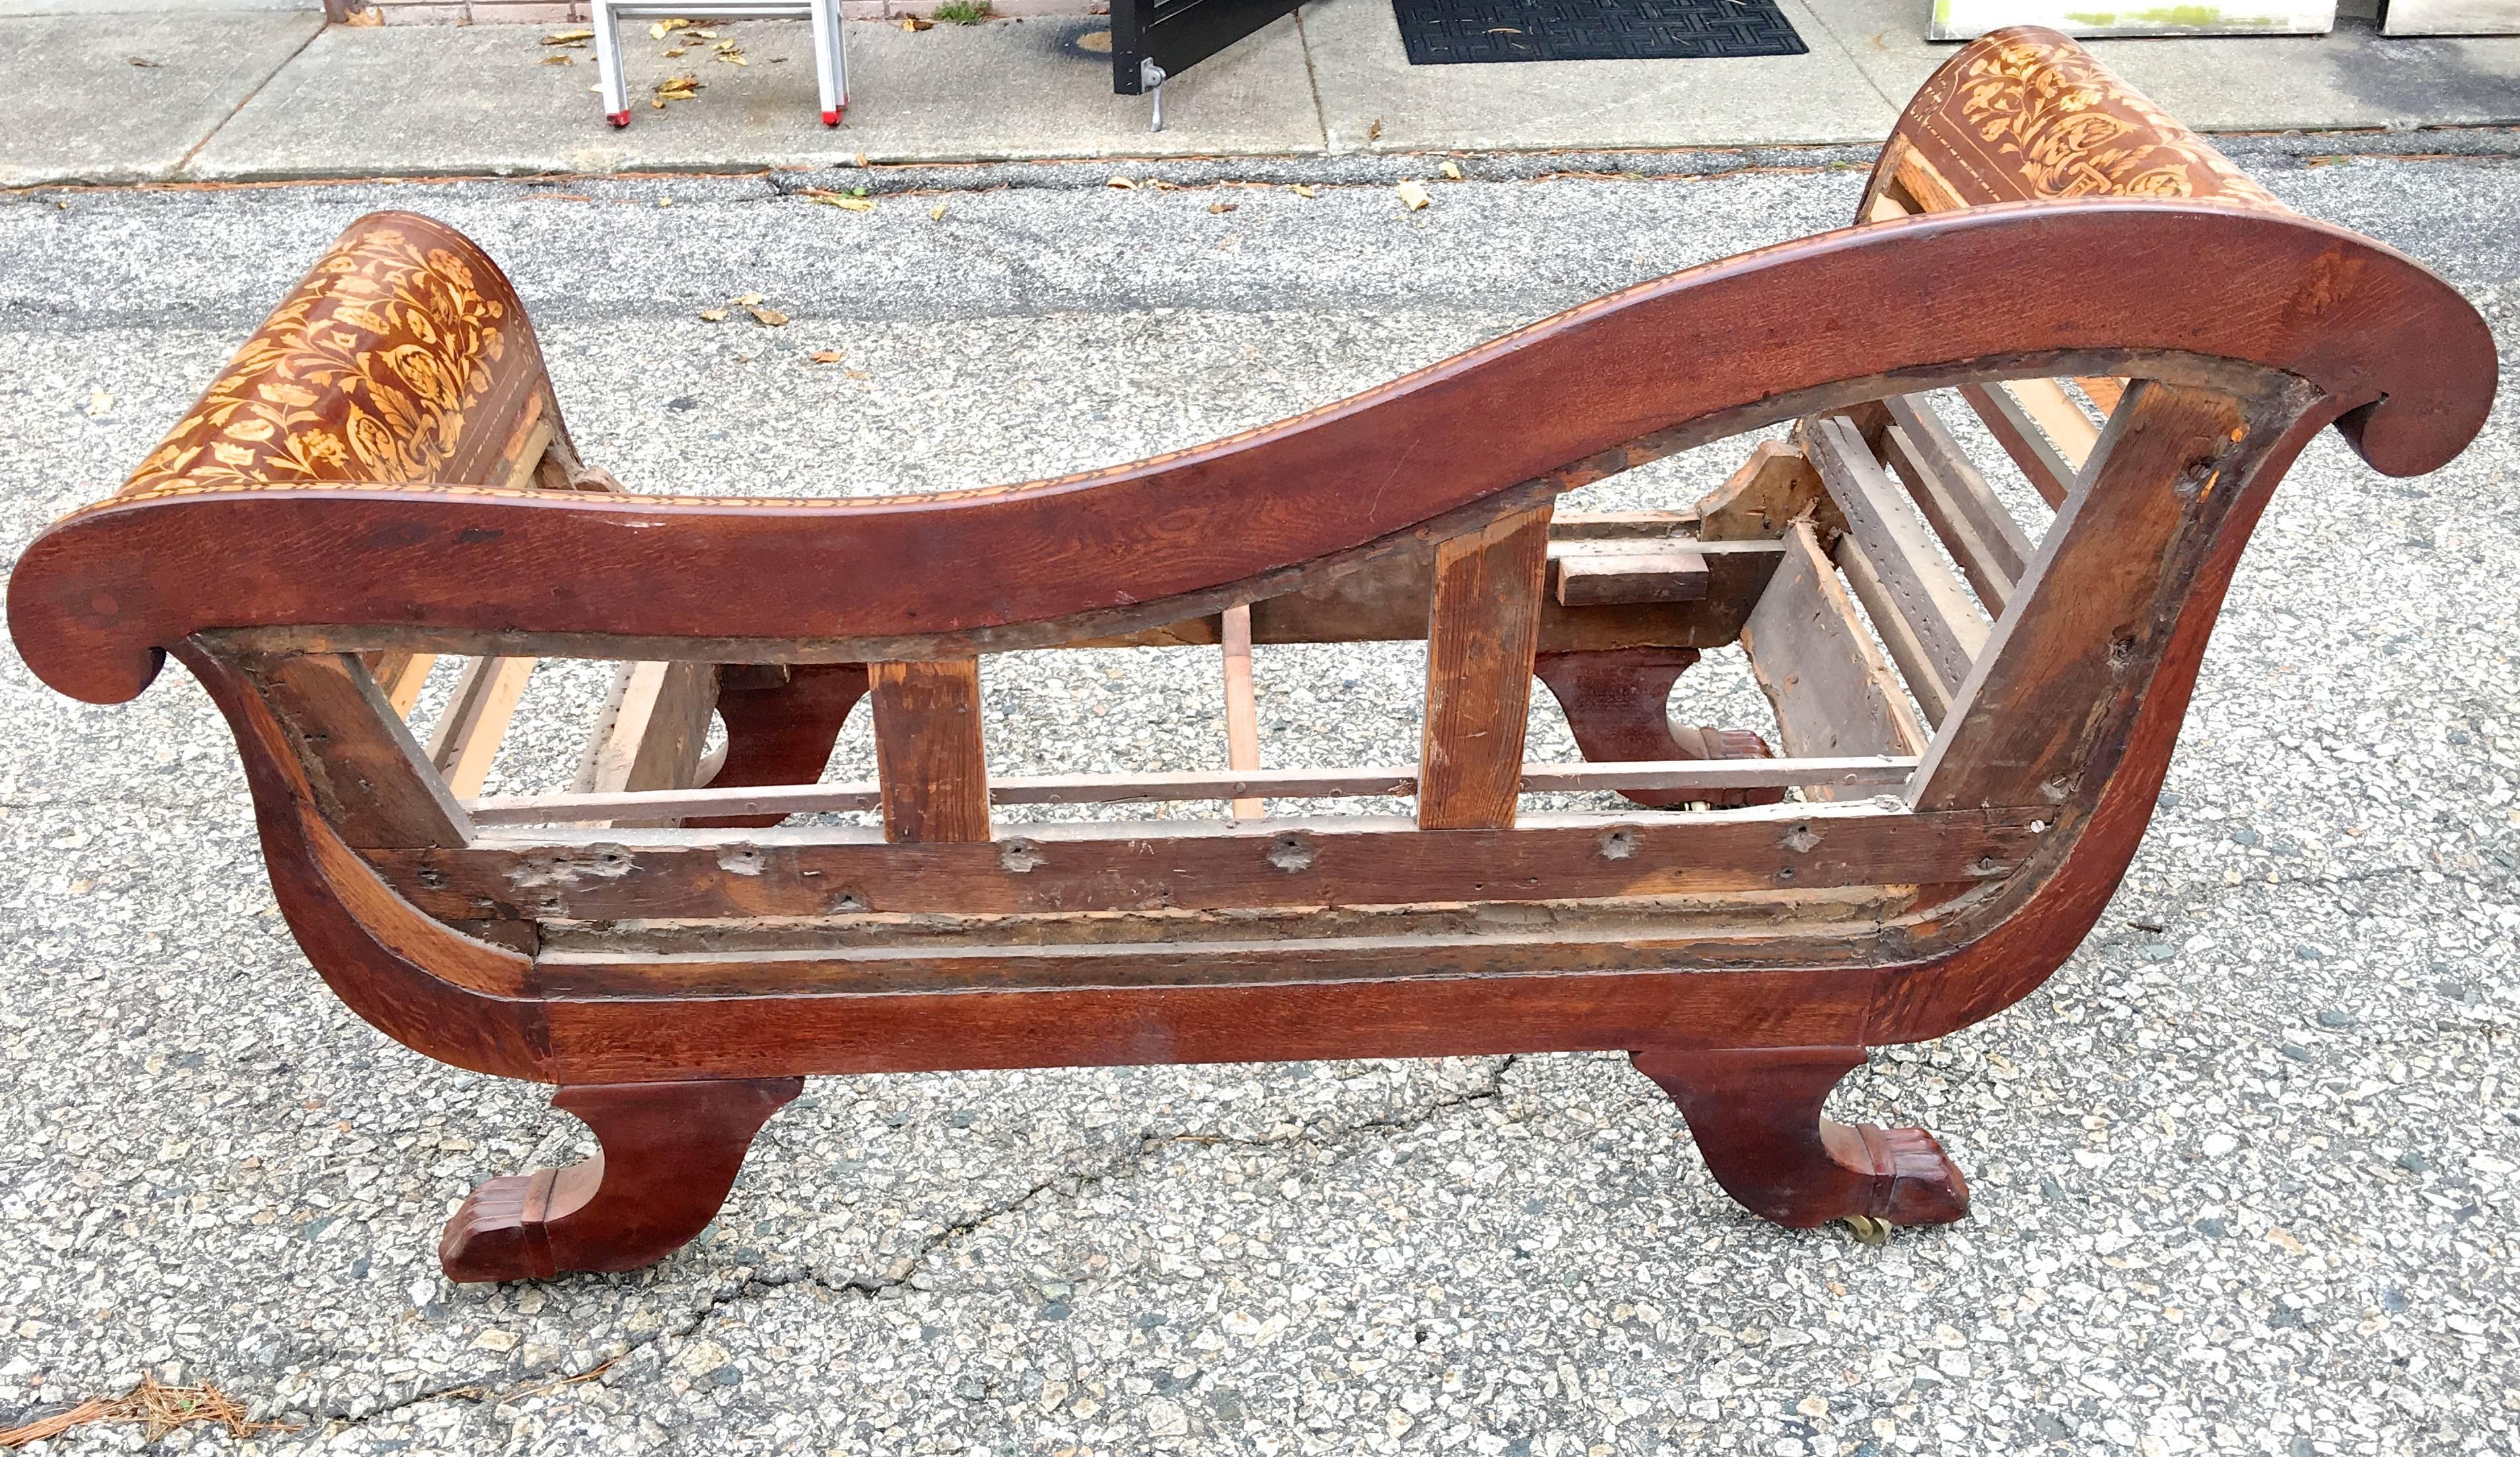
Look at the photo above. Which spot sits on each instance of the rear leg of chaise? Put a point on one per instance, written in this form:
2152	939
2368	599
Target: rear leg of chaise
1756	1116
669	1154
1617	703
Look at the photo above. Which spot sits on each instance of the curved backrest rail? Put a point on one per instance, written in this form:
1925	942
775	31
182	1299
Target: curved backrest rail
97	598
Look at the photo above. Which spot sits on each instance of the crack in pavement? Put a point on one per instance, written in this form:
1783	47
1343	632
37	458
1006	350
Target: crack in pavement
905	1266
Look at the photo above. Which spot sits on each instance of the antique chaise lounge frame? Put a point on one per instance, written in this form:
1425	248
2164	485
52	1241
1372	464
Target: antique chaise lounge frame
382	476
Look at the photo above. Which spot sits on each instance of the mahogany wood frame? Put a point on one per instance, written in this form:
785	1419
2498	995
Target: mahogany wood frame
1977	740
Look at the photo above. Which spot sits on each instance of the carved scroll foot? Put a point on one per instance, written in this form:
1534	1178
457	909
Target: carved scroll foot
1617	703
1757	1121
670	1151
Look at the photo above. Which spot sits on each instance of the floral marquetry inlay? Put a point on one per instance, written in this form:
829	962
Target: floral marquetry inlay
2025	114
365	374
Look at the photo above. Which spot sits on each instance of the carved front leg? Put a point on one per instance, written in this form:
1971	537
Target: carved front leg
670	1151
1756	1116
1617	703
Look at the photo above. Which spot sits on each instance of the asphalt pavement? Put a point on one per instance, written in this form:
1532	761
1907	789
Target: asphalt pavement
2246	1172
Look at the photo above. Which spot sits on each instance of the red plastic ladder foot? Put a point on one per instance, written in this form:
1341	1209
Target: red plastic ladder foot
619	119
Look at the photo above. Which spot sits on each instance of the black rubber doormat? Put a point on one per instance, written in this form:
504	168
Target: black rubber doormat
1465	32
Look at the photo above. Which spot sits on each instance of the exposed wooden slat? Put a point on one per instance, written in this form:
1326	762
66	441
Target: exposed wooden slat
929	759
2059	418
2061	662
1241	706
2048	472
1956	485
652	729
1590	526
400	677
1592	574
1200	785
1977	561
1194	864
1482	631
369	777
467	737
1915	666
1947	625
1832	692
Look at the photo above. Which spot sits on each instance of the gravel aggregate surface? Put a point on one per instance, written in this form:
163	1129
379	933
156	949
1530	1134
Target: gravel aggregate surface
2246	1170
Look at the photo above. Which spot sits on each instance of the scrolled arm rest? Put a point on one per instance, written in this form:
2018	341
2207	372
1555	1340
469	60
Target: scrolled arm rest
2333	321
403	356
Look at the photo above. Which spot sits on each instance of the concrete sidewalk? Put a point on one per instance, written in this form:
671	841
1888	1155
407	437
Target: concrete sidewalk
230	96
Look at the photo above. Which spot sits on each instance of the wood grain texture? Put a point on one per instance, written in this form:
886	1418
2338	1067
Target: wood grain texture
668	1154
1607	574
368	776
1209	866
2040	462
1482	631
1947	627
95	600
1832	692
1976	528
929	758
1618	706
1765	495
465	741
781	722
2024	731
1241	707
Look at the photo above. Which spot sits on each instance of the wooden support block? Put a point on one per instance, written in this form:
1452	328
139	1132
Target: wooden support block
369	777
929	759
1915	666
468	734
1832	693
2104	393
1481	634
653	729
2066	662
1241	705
1601	574
2047	469
1947	625
1956	484
1759	500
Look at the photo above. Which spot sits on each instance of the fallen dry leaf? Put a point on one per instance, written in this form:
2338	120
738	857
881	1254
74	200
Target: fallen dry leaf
1374	133
676	88
713	316
733	57
747	300
144	62
842	201
678	50
1413	197
98	403
569	38
703	33
560	61
1301	190
768	318
1452	171
1123	184
160	1409
916	23
855	373
660	30
936	214
825	356
1161	185
1221	206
